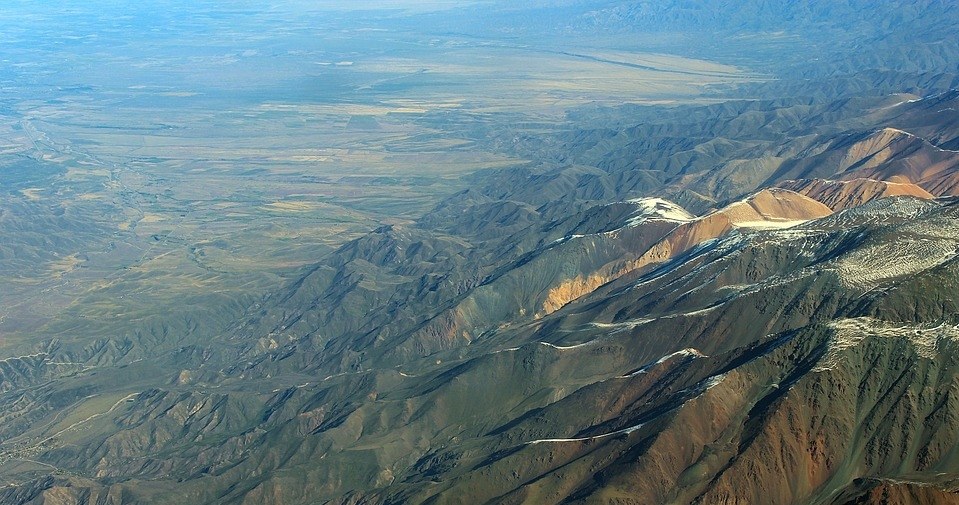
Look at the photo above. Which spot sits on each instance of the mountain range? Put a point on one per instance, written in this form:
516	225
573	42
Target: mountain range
750	300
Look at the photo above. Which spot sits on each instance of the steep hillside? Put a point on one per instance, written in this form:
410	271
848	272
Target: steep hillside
839	195
699	156
768	209
671	384
382	270
889	155
515	347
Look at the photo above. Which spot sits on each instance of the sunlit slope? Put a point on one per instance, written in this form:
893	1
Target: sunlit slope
760	342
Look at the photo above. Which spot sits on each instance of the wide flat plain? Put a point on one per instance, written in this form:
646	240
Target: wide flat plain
150	160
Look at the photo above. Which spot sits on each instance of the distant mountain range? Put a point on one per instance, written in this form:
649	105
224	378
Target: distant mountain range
750	301
793	346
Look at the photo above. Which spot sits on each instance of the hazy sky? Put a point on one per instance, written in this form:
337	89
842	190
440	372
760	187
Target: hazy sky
412	5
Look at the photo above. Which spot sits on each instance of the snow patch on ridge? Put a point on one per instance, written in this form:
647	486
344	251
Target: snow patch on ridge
622	326
866	266
849	333
657	208
770	224
689	351
624	431
567	347
21	358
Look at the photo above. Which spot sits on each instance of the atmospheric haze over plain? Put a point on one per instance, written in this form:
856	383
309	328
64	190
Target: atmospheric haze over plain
397	251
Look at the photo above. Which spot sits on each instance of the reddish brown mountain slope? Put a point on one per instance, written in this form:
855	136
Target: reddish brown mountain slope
768	209
839	195
898	156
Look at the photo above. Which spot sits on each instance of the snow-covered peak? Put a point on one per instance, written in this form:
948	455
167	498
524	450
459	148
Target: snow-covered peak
657	208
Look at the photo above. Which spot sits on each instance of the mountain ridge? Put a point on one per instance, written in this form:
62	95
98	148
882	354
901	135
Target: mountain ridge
746	297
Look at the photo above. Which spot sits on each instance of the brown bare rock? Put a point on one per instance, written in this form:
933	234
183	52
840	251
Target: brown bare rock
773	208
887	154
401	282
839	195
768	209
891	492
896	155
